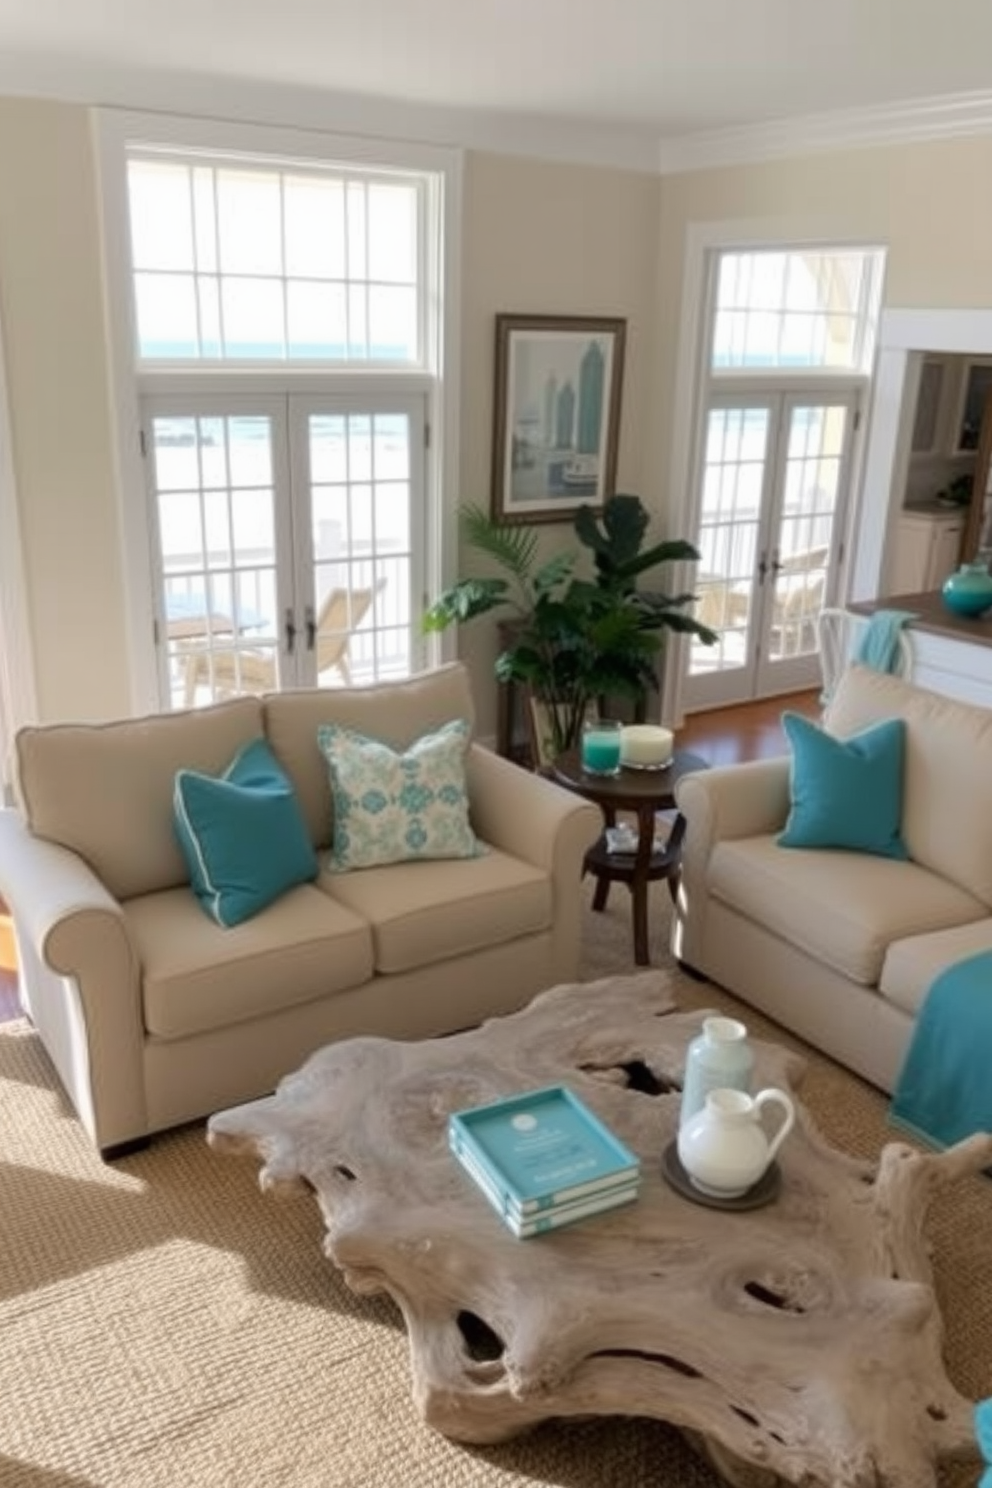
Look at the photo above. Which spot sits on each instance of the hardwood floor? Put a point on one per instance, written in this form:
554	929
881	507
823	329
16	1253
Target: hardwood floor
726	736
723	736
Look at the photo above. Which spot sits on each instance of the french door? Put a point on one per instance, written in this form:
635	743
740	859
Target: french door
774	487
288	545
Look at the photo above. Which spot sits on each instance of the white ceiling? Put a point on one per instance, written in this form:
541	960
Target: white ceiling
668	67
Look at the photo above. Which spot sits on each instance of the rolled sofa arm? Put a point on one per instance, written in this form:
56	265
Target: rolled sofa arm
80	979
528	815
735	800
546	825
746	800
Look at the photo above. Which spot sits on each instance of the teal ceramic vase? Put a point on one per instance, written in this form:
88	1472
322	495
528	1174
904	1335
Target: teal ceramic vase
969	591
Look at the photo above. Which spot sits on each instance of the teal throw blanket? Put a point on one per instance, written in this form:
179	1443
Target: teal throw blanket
878	643
944	1092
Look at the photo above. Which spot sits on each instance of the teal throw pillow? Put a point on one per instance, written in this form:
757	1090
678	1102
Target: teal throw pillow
846	793
392	806
243	835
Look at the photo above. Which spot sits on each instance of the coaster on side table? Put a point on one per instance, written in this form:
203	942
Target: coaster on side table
763	1192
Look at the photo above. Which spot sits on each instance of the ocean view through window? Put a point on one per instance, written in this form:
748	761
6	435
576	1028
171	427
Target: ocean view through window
233	262
285	329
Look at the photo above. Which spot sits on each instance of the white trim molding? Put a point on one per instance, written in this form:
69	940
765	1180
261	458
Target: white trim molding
903	335
954	116
638	146
18	695
202	96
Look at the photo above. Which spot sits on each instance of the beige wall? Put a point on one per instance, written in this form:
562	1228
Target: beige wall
537	237
52	313
923	200
559	240
920	201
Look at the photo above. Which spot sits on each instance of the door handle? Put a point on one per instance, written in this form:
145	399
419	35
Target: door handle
775	563
762	568
310	620
289	626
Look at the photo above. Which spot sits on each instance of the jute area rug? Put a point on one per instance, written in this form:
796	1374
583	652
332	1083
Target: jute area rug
164	1325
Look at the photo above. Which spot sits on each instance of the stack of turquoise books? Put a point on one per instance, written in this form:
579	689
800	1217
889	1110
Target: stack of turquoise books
543	1160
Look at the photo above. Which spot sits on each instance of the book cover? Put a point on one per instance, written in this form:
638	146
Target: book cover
542	1148
554	1219
510	1200
536	1223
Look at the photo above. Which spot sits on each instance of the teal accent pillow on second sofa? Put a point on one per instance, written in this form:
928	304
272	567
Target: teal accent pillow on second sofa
846	793
242	834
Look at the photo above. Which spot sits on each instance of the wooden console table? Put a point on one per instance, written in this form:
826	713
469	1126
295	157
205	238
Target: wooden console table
800	1342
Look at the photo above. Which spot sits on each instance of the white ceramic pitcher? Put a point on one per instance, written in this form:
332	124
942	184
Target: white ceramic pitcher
723	1148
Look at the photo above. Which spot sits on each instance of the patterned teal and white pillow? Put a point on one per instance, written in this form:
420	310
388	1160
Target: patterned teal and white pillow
391	807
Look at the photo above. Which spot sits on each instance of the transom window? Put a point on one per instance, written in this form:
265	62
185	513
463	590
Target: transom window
291	263
795	310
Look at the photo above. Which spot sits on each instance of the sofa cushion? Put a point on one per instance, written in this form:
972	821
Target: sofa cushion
947	801
426	912
845	792
913	964
396	712
242	834
841	908
396	806
105	790
197	976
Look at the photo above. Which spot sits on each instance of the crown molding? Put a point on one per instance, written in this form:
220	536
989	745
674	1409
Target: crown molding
71	79
948	117
199	95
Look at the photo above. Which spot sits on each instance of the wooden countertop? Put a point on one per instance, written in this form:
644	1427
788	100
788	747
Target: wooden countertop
931	615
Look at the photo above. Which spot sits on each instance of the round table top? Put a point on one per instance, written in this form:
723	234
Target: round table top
629	788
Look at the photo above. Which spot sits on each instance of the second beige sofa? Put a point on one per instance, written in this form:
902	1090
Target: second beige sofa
842	947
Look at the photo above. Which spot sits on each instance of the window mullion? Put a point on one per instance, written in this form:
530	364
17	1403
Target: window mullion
283	255
217	264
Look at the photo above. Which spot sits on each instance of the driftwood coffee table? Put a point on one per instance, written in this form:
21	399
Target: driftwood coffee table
799	1343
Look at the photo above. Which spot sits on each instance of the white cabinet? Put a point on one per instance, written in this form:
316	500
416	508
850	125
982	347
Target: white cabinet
932	405
926	549
976	388
945	548
950	403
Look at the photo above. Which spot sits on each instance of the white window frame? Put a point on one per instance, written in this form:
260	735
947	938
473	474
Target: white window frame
694	376
438	380
868	308
18	697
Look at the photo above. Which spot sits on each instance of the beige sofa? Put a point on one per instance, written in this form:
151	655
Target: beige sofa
154	1015
842	947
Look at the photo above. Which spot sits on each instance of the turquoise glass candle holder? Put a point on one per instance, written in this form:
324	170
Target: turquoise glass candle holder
601	742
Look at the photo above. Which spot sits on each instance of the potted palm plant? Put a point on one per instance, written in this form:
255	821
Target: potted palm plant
576	640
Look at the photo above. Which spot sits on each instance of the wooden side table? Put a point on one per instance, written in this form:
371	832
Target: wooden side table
645	793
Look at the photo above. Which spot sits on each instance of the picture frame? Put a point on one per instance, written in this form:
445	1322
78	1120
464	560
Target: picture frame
556	414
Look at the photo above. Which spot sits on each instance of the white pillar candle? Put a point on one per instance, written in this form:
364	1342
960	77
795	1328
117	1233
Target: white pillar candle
646	744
